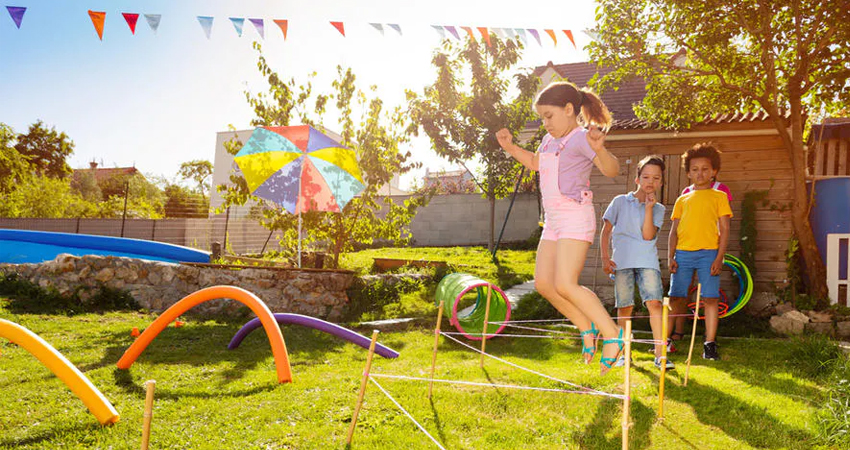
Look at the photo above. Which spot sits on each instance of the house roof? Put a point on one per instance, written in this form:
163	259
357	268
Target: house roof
101	174
446	173
621	102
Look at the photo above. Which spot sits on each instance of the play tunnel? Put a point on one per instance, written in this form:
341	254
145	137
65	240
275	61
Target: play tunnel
451	291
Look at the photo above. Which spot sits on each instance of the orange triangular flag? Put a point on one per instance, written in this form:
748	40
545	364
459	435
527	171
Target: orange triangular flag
97	19
131	19
469	32
551	33
485	34
339	26
282	24
570	37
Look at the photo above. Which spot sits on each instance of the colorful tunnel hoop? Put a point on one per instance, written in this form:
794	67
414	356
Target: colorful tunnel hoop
316	324
94	400
281	358
454	286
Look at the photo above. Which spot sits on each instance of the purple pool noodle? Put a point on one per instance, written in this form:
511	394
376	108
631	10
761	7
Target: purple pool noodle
317	324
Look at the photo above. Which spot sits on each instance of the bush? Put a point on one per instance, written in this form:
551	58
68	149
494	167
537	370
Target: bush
27	297
815	355
833	418
375	299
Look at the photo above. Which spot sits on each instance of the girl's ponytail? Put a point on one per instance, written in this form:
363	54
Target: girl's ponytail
594	111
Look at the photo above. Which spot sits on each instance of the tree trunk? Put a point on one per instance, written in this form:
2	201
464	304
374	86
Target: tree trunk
492	241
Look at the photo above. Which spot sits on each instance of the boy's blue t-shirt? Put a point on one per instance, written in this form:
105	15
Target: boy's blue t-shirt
630	249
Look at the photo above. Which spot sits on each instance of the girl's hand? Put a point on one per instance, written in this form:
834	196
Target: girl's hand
504	137
596	139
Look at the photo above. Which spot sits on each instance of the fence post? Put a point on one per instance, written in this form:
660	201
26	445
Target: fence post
124	216
226	222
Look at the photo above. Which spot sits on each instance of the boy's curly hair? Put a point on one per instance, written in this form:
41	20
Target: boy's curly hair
653	160
702	150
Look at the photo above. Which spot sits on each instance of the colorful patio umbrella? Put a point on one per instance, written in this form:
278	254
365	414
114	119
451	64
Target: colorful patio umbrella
300	169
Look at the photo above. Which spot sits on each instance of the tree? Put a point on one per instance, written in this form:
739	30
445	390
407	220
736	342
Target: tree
183	202
468	102
45	197
46	150
199	171
376	137
14	167
704	57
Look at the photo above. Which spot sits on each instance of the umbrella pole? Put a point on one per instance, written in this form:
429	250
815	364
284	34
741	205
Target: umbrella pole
299	238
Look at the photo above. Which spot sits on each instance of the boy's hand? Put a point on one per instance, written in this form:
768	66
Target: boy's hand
608	266
650	201
717	265
596	139
504	137
672	265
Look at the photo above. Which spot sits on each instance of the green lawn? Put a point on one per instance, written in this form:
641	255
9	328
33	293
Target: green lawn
209	397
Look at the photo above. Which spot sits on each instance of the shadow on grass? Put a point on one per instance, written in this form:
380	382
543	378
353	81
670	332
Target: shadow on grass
47	435
593	436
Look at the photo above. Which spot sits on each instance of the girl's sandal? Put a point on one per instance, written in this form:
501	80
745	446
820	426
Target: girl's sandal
607	363
589	350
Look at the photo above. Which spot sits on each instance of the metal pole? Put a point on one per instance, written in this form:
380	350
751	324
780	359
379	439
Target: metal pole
508	214
124	216
226	222
299	239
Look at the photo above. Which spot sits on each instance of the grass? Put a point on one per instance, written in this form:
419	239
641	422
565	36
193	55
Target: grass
209	397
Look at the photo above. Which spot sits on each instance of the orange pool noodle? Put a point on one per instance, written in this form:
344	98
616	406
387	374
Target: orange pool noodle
281	358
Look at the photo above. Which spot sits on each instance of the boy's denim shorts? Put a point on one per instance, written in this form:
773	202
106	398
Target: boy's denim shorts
648	283
699	261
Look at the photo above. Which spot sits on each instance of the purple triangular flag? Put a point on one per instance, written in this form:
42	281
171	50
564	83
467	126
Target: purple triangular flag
536	35
258	24
453	31
17	13
396	27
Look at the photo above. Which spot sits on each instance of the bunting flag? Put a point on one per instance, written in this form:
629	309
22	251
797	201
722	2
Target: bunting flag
206	23
396	27
378	27
17	13
591	34
97	19
131	19
485	34
238	23
511	33
570	37
536	35
439	29
283	24
153	21
453	31
551	34
520	32
340	27
469	32
500	32
260	26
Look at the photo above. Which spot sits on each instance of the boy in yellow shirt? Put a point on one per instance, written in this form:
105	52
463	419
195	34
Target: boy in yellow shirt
698	240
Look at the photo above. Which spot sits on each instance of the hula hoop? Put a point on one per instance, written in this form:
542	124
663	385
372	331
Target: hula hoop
745	288
451	290
722	304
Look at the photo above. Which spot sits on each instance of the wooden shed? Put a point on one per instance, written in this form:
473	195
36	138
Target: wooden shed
753	158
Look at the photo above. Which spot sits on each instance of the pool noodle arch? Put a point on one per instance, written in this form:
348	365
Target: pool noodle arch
94	400
281	358
316	324
454	286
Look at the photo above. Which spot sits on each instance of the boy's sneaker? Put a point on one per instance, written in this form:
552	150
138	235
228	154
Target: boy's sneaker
670	365
671	346
709	351
621	361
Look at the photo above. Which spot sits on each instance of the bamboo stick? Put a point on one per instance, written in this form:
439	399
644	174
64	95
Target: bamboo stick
693	334
436	343
362	386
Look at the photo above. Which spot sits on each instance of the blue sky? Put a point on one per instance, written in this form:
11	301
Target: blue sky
155	101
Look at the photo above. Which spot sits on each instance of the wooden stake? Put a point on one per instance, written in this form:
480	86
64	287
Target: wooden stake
627	400
663	358
693	334
148	414
436	343
363	386
486	321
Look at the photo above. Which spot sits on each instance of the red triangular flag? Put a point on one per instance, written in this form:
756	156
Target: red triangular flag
131	19
97	19
485	34
339	26
469	32
570	37
283	25
551	34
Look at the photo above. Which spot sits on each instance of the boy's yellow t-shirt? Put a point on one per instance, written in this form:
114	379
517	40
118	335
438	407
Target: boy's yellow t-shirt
698	213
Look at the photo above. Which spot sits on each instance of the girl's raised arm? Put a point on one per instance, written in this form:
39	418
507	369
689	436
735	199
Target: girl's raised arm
525	157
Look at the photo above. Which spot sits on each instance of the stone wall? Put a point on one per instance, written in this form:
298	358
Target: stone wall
158	285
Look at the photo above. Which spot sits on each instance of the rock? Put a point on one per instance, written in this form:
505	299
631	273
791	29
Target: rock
797	316
762	304
105	275
783	308
843	330
819	316
786	325
824	328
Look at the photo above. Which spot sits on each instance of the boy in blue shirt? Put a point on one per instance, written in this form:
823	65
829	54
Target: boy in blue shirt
632	222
